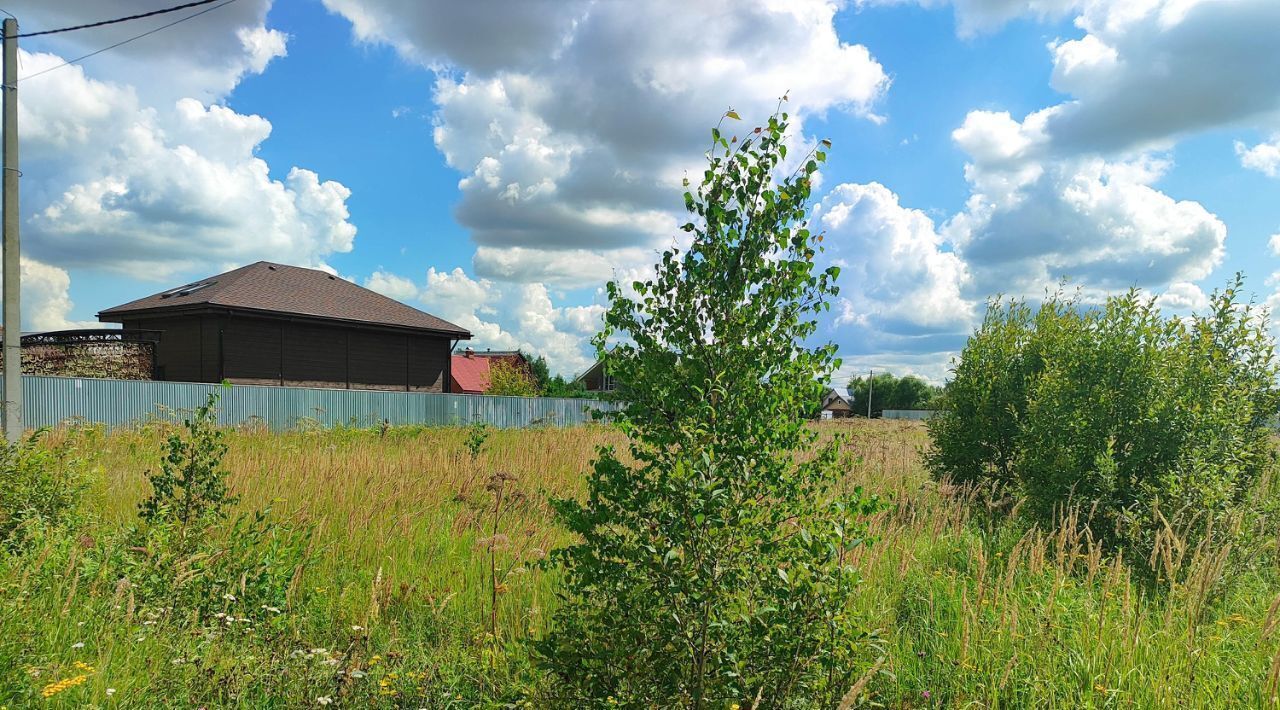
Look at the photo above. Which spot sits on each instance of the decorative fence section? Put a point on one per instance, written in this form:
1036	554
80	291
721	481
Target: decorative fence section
919	414
53	401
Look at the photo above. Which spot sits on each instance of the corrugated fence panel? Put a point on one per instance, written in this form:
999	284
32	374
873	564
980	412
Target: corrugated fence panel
919	414
53	401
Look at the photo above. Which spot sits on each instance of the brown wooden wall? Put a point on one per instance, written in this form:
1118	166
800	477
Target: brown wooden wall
268	351
181	349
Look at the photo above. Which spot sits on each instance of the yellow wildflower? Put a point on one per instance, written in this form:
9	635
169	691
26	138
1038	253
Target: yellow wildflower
53	689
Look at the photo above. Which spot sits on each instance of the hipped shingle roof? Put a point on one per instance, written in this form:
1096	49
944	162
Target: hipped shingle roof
288	290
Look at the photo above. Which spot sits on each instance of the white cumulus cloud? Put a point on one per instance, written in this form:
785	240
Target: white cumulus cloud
572	123
152	192
501	315
133	165
1263	157
896	277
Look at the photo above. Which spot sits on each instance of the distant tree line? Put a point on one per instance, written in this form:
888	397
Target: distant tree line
556	385
890	392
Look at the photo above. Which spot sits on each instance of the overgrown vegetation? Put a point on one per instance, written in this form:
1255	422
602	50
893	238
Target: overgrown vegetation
184	555
183	563
398	588
1152	428
715	561
40	487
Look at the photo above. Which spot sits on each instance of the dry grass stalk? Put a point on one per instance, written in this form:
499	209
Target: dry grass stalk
855	691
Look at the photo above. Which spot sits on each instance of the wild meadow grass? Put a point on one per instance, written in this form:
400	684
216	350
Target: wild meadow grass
396	608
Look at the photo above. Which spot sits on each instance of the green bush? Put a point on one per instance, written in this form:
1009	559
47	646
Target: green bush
717	568
38	486
1147	425
190	489
187	555
509	379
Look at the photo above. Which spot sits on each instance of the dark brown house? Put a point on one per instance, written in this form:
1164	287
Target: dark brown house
272	324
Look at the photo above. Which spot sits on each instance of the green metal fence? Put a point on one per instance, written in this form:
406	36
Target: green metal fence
53	401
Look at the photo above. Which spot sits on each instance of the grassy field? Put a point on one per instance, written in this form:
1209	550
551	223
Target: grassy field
396	608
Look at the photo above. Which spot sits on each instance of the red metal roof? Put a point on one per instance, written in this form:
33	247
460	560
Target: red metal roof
470	373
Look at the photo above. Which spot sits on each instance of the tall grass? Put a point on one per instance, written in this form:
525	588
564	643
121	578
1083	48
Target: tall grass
397	609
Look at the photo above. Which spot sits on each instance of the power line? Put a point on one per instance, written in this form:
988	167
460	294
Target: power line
153	13
135	37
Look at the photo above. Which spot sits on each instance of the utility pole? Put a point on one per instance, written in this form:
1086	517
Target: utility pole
871	380
11	254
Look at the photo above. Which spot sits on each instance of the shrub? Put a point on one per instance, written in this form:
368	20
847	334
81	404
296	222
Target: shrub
975	433
1145	424
509	379
40	485
190	489
186	556
716	569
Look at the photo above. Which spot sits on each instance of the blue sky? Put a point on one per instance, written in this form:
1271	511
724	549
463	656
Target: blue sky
495	162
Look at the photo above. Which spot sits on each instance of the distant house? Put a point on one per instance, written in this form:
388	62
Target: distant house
273	324
469	372
596	379
834	406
